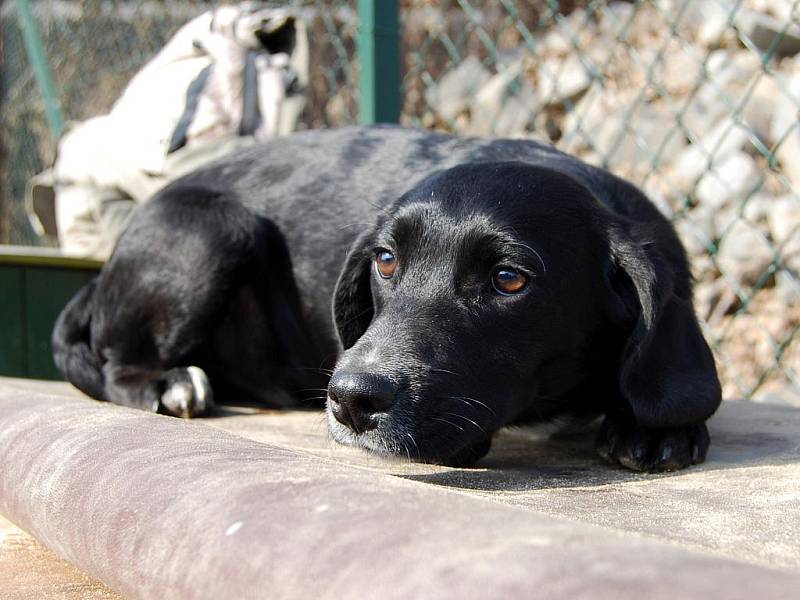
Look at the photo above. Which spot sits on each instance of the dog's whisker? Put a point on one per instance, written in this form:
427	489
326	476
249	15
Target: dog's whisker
353	225
467	400
539	256
448	422
513	242
437	370
313	400
405	449
413	441
314	369
481	429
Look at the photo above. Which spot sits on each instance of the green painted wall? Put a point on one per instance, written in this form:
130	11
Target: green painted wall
33	290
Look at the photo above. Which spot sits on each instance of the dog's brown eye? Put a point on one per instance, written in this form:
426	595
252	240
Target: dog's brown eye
386	263
507	281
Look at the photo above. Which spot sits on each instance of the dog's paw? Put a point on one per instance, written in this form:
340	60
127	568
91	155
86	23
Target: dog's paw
652	450
188	393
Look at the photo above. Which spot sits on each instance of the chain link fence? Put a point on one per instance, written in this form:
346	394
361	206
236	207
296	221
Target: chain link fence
694	101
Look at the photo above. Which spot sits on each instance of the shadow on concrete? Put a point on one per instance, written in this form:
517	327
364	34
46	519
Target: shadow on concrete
743	435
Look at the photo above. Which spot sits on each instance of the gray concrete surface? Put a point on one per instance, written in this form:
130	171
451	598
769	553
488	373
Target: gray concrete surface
29	571
252	502
744	502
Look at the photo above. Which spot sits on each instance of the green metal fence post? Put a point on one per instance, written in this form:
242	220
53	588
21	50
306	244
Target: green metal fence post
41	69
379	57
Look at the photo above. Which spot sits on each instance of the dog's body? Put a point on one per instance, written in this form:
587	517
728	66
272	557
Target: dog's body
456	285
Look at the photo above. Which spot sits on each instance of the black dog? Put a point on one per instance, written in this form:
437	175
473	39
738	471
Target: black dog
473	284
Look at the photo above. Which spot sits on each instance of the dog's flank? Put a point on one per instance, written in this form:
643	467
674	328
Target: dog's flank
438	288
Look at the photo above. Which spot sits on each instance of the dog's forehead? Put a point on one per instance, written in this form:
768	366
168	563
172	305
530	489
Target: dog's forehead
515	199
499	191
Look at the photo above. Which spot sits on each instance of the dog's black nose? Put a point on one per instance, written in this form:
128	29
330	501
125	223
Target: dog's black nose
356	397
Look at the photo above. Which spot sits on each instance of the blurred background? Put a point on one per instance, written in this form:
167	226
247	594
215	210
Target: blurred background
695	101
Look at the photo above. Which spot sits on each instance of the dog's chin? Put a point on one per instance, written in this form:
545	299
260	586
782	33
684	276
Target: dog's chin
403	445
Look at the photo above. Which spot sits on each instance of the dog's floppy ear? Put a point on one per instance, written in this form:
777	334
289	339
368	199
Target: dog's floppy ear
352	298
667	373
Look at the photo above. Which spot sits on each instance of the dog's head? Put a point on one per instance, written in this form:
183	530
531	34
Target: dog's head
477	299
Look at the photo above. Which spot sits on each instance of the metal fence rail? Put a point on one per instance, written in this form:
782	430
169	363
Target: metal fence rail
695	101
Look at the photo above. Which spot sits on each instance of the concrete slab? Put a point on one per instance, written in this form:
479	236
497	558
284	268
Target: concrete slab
743	503
248	505
29	571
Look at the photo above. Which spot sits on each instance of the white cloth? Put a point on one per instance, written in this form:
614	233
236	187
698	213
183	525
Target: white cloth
228	78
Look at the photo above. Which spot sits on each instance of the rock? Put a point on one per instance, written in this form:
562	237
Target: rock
680	68
694	236
567	33
784	227
787	286
782	9
785	109
516	115
724	217
504	106
561	80
599	117
711	222
638	138
337	109
788	396
707	296
705	218
763	30
729	182
729	75
509	57
587	114
758	207
555	42
789	156
707	21
744	253
457	87
726	138
614	17
758	112
784	129
657	189
784	218
649	29
547	123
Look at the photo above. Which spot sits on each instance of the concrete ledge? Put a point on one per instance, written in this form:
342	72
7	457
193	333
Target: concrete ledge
29	571
157	507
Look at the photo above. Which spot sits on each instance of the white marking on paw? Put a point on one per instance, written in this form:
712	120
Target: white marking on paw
202	388
178	398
